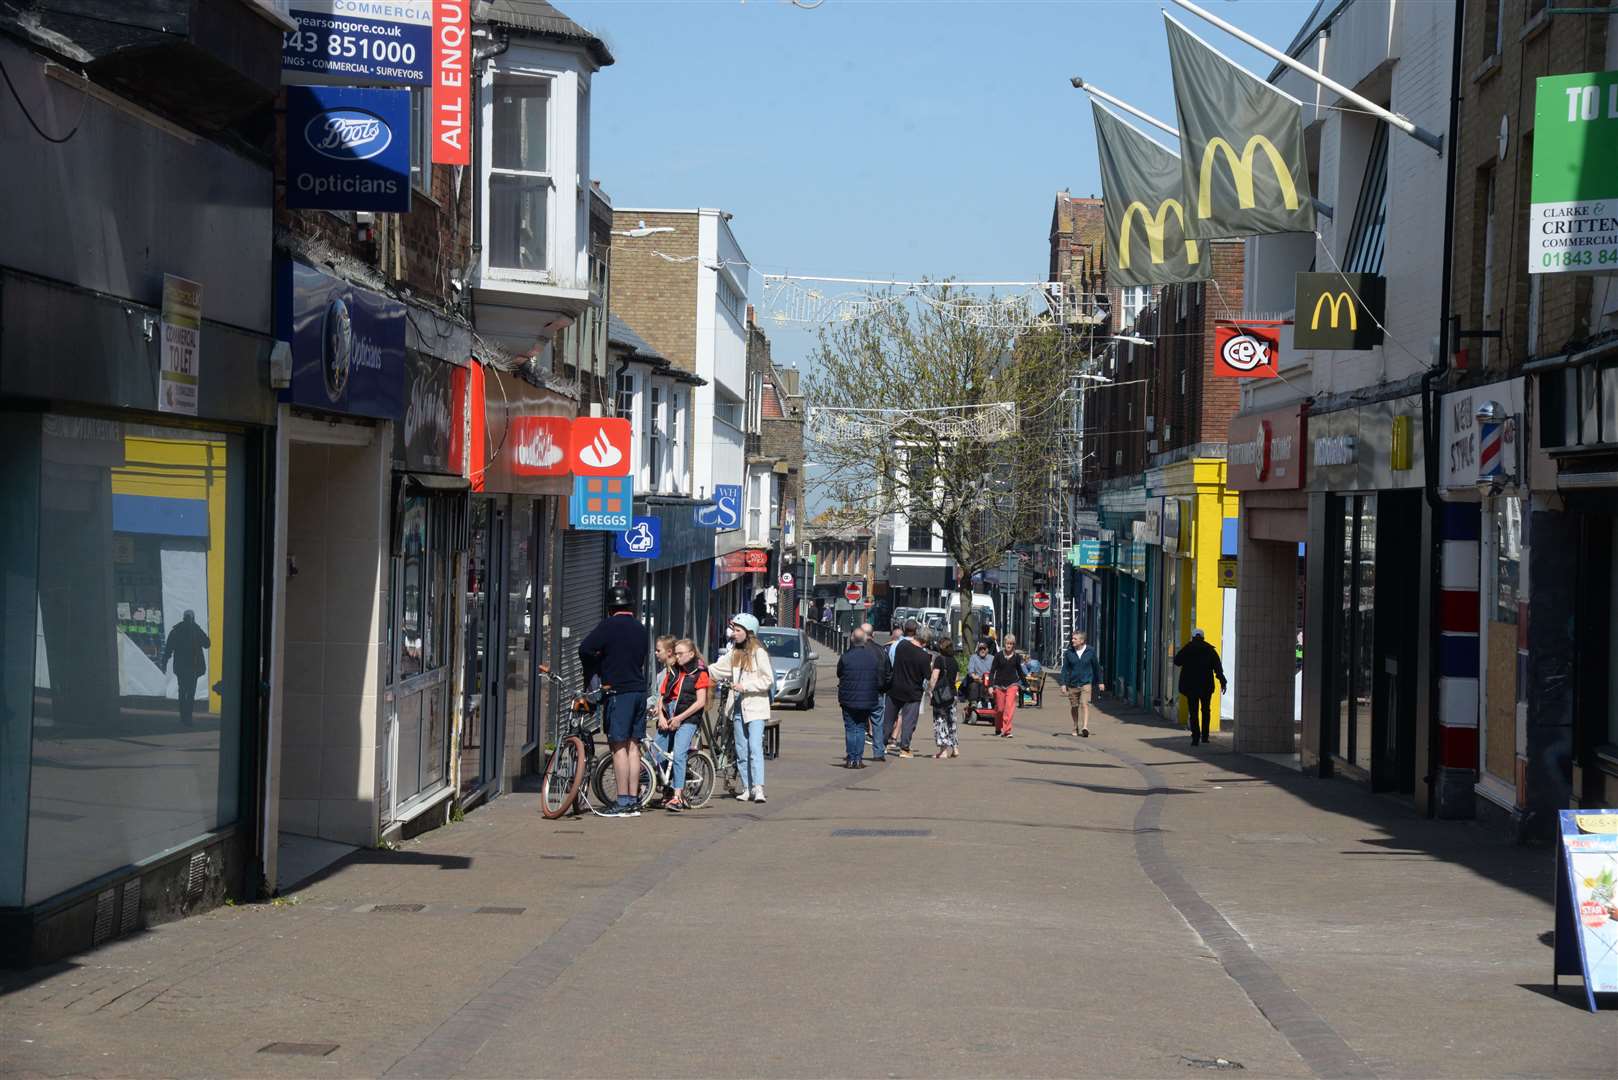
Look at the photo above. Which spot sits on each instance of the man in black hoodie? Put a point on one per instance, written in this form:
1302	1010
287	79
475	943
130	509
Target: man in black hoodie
912	668
617	650
1199	665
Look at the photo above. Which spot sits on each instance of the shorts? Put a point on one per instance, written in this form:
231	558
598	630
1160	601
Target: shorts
1079	695
624	716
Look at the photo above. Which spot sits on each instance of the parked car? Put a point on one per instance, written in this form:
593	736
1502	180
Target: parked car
793	660
935	618
900	614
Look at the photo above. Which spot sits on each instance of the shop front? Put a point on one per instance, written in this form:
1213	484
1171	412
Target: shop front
1366	519
1195	508
518	560
1569	736
1484	605
1265	466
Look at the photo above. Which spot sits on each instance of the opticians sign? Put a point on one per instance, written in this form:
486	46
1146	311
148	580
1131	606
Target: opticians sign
348	344
348	149
1573	213
359	41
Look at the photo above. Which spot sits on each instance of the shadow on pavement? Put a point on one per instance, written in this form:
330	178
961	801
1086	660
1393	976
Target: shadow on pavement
379	857
1393	823
1102	789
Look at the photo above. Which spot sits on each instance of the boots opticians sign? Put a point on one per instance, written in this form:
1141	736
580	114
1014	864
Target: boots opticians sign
1573	213
348	149
1338	311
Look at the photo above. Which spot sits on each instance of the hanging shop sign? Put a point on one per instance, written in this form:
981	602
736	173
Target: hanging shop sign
724	513
1090	554
348	149
600	446
602	504
642	540
181	368
1227	571
1151	530
348	344
1587	901
1573	212
1247	350
786	581
452	90
519	435
745	561
423	441
359	41
1264	451
1174	520
1339	311
1460	463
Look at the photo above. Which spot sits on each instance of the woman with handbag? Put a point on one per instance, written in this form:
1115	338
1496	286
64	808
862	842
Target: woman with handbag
941	692
746	668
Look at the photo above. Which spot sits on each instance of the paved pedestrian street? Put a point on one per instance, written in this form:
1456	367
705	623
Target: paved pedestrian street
1040	906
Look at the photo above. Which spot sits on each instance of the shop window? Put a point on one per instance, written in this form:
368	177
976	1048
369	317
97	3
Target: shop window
1368	237
130	695
1508	558
1356	631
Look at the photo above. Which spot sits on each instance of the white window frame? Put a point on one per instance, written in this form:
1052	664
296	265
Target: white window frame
421	139
654	467
679	421
731	297
552	80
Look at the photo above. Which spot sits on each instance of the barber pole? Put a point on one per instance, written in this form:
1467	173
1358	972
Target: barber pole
1491	443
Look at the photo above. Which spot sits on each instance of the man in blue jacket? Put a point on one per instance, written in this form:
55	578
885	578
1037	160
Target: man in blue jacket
1081	674
861	674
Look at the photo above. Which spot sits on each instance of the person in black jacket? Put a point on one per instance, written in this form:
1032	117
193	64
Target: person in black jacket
861	674
912	670
1005	682
1199	665
184	646
616	651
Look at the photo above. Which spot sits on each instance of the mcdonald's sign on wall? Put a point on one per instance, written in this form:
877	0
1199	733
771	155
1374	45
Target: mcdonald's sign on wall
1339	311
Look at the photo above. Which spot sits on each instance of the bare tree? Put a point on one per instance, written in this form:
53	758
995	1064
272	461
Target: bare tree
919	407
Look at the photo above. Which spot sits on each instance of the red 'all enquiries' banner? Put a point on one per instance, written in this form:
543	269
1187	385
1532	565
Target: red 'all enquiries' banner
452	87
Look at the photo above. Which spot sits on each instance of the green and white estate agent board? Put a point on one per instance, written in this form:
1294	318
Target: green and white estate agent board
1573	224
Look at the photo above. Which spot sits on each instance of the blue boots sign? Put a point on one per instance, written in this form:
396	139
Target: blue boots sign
348	148
348	343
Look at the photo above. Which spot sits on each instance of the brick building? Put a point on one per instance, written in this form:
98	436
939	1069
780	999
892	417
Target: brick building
1539	728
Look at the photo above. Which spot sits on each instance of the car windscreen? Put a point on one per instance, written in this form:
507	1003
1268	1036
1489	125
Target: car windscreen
782	646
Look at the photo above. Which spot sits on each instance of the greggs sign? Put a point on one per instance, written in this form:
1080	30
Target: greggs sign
1265	451
452	87
1339	311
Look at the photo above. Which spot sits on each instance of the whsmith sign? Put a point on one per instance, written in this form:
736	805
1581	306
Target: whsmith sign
348	149
1573	216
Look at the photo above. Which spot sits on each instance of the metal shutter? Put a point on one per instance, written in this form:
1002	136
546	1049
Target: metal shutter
584	601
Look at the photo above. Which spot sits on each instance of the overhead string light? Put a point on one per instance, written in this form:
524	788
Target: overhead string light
1007	305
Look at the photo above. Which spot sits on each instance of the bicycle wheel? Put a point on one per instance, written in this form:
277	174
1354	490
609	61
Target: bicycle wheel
604	782
564	772
701	778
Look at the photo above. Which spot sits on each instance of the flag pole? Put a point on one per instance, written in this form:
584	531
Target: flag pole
1095	91
1421	134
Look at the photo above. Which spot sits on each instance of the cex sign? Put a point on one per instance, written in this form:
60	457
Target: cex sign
452	92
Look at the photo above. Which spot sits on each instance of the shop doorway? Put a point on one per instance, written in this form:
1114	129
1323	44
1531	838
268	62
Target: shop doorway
484	678
326	736
1398	577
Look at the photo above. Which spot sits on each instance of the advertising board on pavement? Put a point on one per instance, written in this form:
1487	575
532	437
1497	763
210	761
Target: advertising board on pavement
1587	901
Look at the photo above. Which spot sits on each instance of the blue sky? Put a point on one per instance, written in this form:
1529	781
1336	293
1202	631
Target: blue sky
878	138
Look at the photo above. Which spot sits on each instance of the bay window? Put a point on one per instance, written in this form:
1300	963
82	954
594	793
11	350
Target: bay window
520	182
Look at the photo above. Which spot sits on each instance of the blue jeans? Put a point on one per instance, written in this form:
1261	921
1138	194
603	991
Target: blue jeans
854	721
749	749
679	743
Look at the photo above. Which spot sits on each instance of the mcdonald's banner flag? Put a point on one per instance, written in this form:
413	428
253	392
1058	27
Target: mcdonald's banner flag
1339	311
1241	144
1140	189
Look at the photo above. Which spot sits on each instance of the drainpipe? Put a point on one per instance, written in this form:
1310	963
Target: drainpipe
1429	419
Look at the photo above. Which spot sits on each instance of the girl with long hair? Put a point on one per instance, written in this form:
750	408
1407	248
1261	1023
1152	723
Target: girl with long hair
745	666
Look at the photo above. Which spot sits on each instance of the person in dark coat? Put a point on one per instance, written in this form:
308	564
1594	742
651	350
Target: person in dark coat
184	647
1080	678
1199	666
861	674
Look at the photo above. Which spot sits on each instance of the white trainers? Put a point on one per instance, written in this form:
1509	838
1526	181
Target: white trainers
758	793
746	796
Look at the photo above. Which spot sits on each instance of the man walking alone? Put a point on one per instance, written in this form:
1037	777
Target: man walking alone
860	675
1080	675
1199	665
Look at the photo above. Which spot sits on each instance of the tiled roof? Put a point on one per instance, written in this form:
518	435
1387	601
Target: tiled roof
541	17
621	333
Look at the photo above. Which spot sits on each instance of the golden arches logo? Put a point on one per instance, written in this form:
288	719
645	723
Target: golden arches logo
1155	226
1337	300
1241	171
